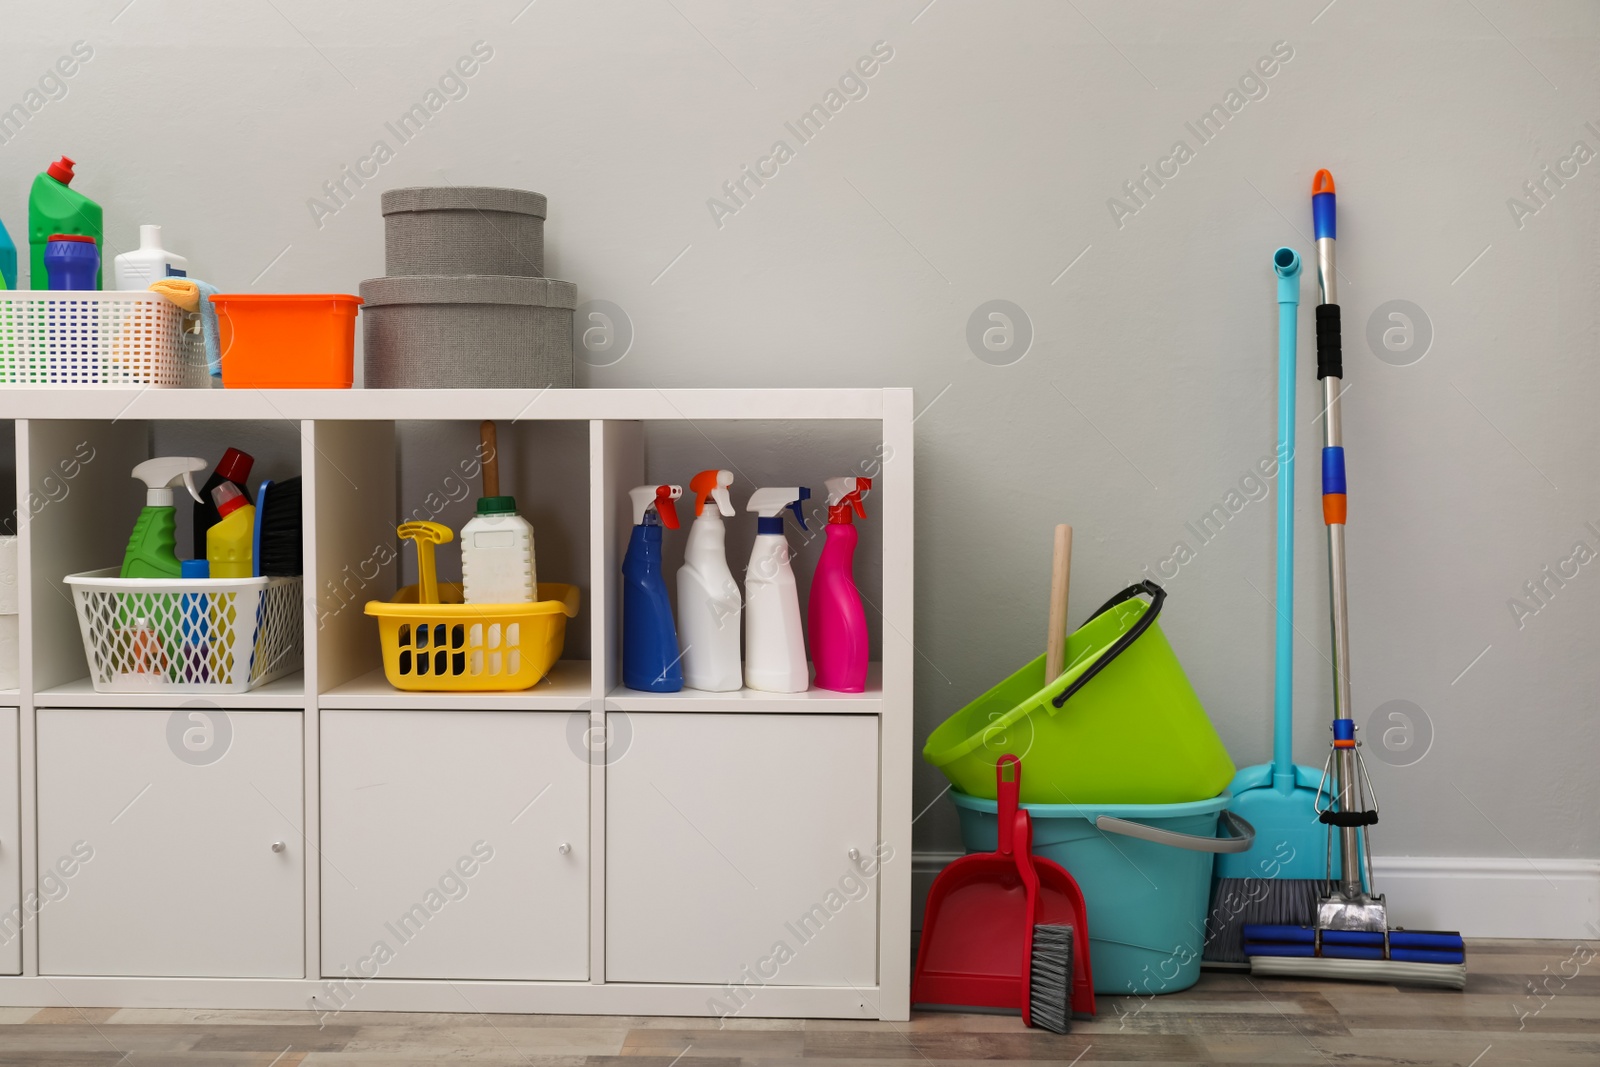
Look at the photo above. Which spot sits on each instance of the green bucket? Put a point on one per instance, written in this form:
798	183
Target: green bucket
1122	725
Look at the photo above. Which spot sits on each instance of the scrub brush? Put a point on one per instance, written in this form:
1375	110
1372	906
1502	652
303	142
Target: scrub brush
279	547
1047	947
1050	987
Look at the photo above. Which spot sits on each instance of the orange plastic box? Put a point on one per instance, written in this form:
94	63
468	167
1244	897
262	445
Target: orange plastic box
287	340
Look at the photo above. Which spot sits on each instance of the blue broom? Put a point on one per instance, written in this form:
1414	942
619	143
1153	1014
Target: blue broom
1280	878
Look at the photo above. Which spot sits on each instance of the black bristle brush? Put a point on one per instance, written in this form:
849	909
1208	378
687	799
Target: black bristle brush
280	539
1050	984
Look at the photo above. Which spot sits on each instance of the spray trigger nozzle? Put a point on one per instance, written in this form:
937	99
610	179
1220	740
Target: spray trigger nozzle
657	498
713	484
844	496
769	504
162	474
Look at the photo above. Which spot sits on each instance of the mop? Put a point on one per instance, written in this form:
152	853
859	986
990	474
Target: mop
1280	878
1350	937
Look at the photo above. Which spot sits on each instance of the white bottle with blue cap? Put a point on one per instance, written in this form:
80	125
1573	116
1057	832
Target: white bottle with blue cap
774	640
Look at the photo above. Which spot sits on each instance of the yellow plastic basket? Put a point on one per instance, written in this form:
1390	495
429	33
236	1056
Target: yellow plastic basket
458	647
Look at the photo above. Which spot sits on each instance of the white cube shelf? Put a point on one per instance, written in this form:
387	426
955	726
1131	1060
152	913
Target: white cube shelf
345	813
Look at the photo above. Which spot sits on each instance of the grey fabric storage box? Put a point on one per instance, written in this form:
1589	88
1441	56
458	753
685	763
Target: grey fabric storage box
468	229
467	332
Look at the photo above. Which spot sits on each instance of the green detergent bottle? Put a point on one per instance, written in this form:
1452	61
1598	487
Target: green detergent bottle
54	207
151	548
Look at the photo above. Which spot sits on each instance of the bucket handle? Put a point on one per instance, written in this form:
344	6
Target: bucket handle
1157	596
1241	834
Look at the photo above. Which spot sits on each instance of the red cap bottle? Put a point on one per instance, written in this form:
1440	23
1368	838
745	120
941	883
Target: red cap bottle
235	466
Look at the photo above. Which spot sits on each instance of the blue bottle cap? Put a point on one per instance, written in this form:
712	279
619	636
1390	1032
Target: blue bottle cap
194	568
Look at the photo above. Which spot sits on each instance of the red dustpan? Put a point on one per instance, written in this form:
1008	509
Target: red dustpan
977	930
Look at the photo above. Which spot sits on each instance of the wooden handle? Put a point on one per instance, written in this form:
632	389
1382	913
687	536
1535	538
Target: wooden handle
1055	647
491	458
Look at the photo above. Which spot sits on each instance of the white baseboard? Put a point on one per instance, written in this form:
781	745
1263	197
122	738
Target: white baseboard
1481	897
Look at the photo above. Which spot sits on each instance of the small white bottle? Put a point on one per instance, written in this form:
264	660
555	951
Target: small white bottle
708	597
149	262
774	640
497	565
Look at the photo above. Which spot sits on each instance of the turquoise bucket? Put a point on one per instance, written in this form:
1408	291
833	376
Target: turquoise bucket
1145	872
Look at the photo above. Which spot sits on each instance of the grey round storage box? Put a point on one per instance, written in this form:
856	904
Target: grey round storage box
467	333
468	229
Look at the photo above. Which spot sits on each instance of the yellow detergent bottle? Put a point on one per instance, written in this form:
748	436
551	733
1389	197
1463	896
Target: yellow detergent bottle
230	543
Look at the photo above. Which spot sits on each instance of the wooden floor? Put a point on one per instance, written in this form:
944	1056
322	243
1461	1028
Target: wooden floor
1226	1019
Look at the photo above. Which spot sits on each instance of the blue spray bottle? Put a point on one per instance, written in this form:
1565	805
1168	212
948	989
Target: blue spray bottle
650	659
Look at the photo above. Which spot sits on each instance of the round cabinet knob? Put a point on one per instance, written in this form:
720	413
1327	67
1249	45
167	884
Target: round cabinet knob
854	853
563	848
277	846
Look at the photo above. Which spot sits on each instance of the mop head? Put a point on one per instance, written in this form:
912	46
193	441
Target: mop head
1418	957
1050	987
1238	902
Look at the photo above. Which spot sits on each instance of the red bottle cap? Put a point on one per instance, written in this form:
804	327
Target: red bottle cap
61	170
75	238
848	502
228	499
235	465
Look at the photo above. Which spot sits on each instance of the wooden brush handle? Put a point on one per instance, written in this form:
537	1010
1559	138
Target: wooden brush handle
491	458
1055	647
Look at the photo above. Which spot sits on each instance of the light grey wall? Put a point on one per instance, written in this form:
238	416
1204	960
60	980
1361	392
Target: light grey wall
979	166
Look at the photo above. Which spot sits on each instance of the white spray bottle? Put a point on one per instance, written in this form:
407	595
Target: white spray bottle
774	641
708	597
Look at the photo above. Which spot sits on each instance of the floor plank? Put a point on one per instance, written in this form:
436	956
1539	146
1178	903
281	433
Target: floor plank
1525	1004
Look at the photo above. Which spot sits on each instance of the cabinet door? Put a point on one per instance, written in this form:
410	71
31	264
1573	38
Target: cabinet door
729	841
12	915
455	845
170	843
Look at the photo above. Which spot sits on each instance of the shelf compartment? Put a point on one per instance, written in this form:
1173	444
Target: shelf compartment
565	688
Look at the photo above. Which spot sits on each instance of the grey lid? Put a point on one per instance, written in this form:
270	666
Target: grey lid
469	289
462	198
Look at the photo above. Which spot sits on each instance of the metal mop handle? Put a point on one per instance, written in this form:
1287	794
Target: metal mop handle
1330	370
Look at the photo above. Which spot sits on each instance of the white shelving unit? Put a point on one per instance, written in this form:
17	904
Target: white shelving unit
506	859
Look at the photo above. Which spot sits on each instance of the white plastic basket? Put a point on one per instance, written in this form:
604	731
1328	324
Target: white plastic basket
83	337
188	635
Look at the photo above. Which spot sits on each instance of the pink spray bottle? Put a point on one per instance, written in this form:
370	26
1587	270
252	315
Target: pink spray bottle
836	623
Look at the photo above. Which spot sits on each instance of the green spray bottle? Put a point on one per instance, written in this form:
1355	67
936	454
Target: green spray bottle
54	207
151	548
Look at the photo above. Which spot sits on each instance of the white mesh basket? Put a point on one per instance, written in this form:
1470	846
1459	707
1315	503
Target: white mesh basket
91	337
188	635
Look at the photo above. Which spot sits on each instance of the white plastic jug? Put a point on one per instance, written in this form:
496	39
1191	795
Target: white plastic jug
149	262
497	565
